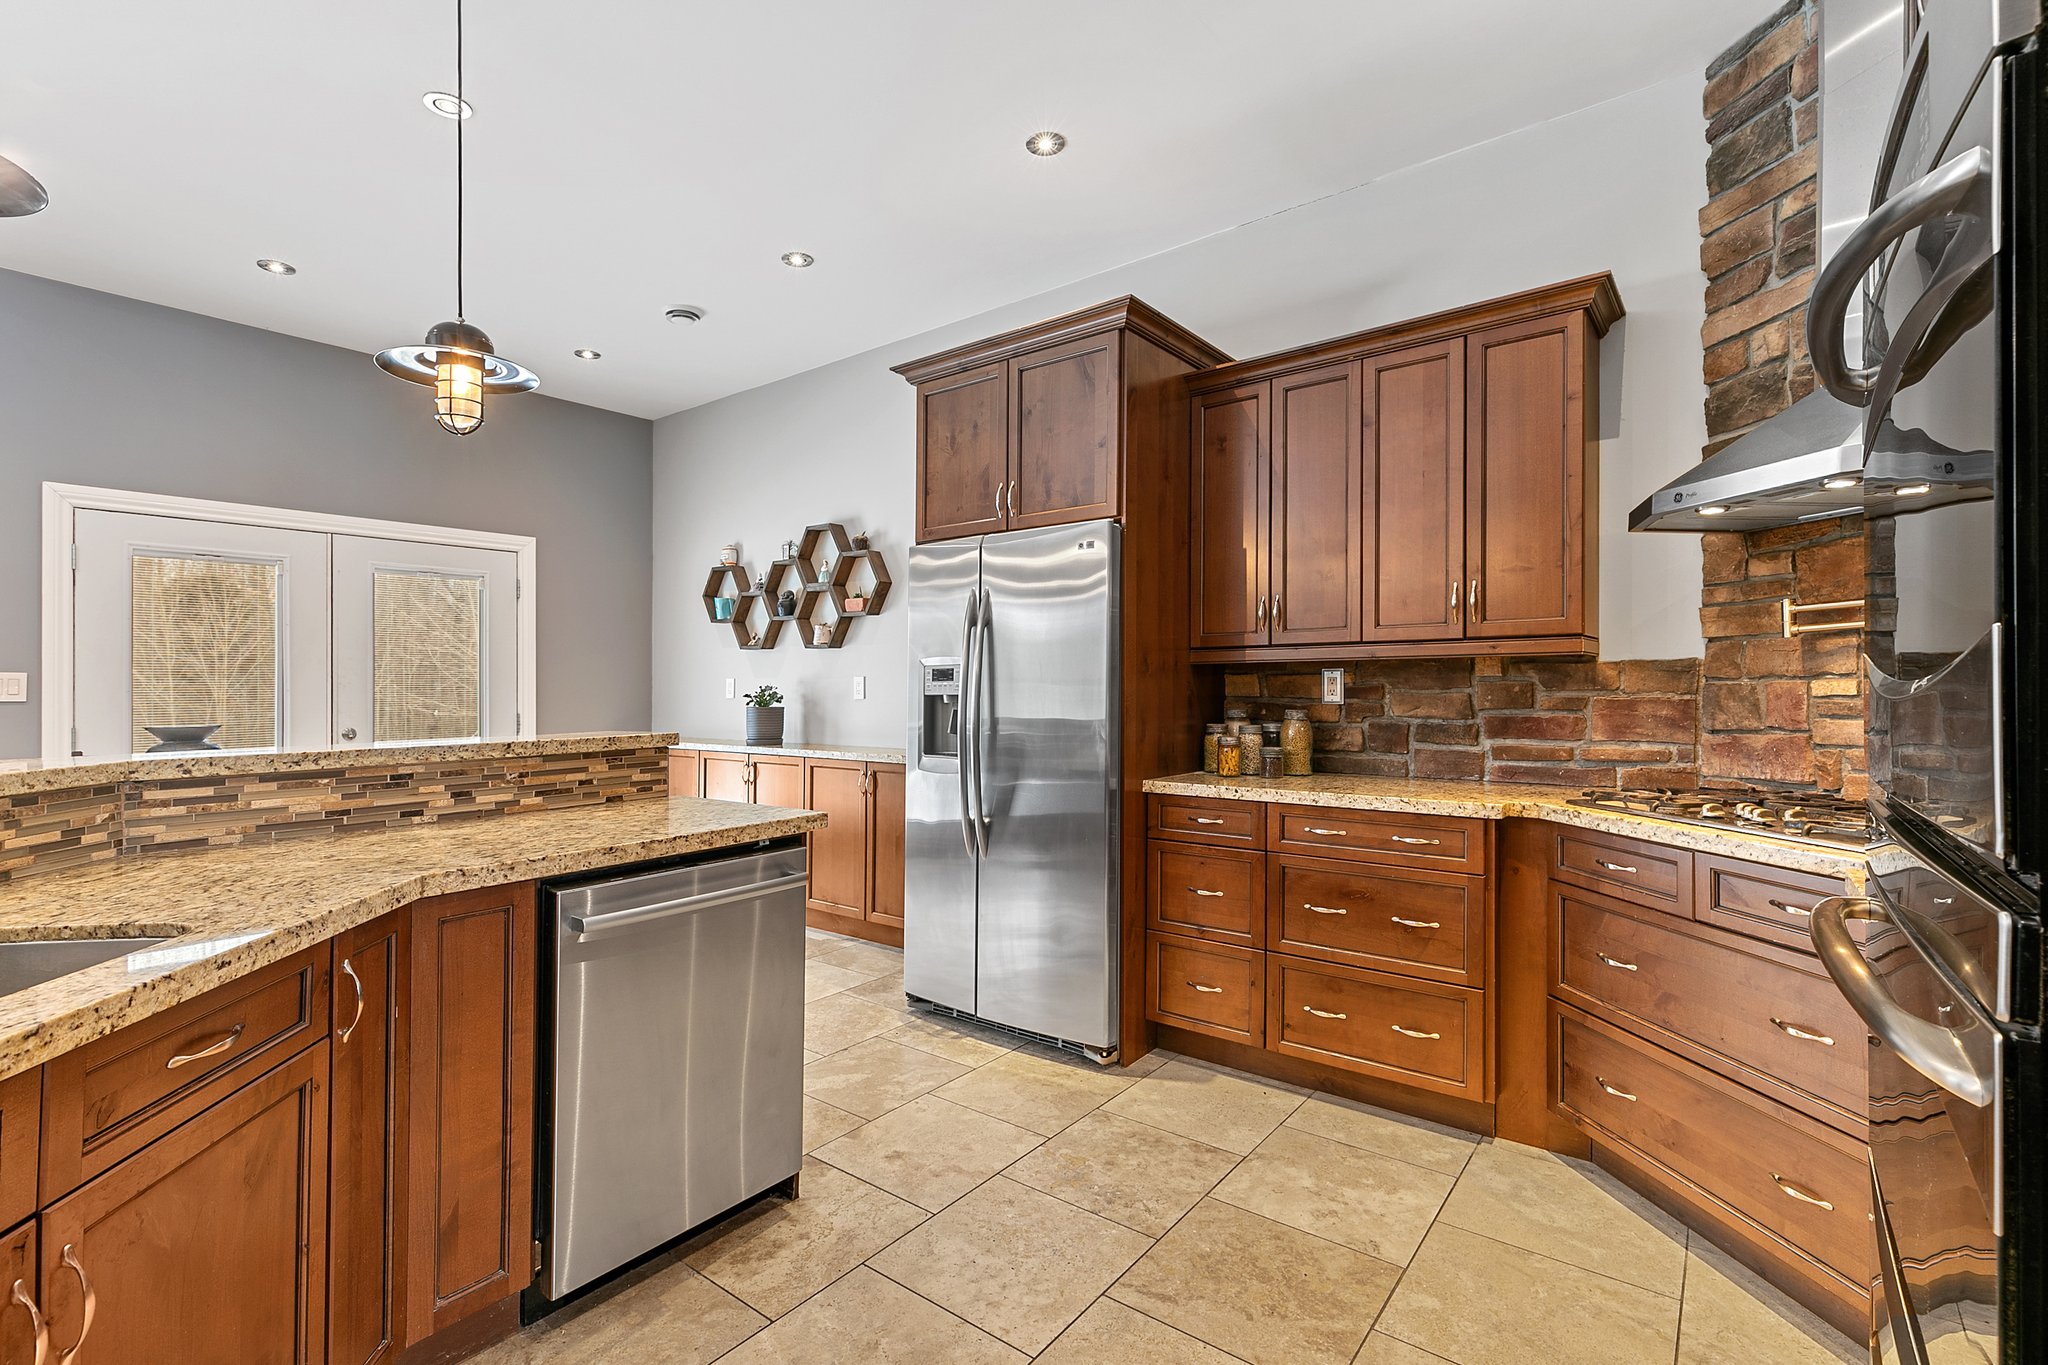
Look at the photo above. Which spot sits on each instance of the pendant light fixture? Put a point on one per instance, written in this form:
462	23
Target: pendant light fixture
455	359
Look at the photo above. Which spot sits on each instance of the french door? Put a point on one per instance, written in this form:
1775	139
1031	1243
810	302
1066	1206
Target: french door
283	637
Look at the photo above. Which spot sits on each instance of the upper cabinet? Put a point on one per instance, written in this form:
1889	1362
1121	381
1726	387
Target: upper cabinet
1032	428
1429	488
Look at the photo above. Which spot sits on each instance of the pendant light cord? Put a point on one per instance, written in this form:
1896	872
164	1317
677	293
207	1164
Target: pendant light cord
461	117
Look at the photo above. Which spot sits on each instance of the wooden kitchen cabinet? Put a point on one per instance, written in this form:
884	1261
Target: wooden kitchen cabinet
208	1244
1032	428
685	772
21	1121
856	861
1428	488
18	1272
727	777
776	780
366	1198
471	1120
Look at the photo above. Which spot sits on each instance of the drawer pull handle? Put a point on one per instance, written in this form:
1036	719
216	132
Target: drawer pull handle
1617	963
1417	923
1206	990
210	1050
1324	909
1200	892
1801	1195
1323	1014
92	1303
1791	909
1414	1032
1405	839
1318	829
1614	867
35	1321
1797	1032
1208	819
1601	1081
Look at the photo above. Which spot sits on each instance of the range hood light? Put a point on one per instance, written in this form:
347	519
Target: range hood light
1913	490
1844	482
1713	511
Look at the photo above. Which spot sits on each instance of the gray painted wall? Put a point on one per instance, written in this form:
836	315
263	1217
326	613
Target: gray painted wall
1615	187
98	389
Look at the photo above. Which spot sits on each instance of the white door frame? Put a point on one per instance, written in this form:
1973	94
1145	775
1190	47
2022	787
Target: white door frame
62	500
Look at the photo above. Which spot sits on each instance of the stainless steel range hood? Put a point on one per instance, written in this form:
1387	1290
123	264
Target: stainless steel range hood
1778	474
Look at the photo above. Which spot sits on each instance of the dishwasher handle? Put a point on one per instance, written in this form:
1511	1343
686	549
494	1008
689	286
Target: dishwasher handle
640	914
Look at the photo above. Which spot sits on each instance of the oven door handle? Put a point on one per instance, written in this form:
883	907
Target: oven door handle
1954	186
1929	1049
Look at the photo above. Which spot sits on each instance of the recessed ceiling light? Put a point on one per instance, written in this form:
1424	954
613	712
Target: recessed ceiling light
1846	481
1912	490
275	266
585	353
1713	511
1047	143
447	105
685	314
799	260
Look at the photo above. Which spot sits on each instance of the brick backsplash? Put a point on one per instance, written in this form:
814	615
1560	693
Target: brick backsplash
67	827
1583	723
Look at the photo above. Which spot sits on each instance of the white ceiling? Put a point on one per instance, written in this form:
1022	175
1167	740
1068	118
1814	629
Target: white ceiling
632	154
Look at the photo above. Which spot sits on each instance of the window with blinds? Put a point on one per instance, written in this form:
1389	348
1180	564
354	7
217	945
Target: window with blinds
204	648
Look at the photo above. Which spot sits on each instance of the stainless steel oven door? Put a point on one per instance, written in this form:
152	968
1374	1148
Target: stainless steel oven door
1936	1149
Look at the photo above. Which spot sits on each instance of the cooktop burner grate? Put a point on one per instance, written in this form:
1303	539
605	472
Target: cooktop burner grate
1812	817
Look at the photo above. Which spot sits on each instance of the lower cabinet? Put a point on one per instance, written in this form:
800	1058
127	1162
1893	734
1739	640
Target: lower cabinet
18	1281
1372	956
470	1187
207	1245
366	1198
857	859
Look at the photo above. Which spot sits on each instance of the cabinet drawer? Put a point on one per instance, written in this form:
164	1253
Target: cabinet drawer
1763	902
1414	1032
1217	893
1645	874
1448	843
1799	1180
1208	987
113	1096
1237	823
1770	1012
1406	920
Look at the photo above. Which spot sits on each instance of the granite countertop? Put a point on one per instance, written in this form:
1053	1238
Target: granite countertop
229	911
19	775
1514	800
854	753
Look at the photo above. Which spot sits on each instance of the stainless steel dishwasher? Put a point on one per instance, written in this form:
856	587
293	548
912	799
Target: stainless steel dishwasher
674	1061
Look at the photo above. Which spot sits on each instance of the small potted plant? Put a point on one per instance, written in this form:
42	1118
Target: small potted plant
856	599
764	715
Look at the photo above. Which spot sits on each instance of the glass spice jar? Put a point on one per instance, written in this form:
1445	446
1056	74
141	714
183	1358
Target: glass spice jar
1229	757
1297	737
1210	734
1270	761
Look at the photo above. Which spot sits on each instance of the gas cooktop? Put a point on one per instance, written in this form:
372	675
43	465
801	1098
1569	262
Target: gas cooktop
1810	817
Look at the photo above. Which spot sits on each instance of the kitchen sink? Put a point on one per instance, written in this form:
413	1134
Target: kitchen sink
31	962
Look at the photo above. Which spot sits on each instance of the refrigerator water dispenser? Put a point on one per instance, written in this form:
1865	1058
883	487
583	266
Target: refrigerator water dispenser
940	731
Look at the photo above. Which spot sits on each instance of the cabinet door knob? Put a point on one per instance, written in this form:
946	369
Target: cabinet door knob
1259	615
1472	600
348	970
35	1321
1276	611
92	1303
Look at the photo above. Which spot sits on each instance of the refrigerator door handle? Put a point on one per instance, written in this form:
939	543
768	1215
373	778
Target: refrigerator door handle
982	821
967	689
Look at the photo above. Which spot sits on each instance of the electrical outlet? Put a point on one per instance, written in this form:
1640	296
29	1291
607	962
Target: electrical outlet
13	687
1333	685
731	689
860	689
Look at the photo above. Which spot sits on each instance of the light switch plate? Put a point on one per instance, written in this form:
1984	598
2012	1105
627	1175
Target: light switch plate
13	687
860	689
1333	685
730	693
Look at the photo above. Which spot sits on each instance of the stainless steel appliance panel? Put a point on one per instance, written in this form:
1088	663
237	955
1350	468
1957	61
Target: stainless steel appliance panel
678	1054
1046	775
940	858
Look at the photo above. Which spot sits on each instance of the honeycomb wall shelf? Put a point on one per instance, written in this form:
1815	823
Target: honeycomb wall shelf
821	572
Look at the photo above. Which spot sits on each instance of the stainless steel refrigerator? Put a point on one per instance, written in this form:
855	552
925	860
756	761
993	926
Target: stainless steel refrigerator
1010	899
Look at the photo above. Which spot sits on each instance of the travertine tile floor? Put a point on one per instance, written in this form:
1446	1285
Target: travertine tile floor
967	1198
